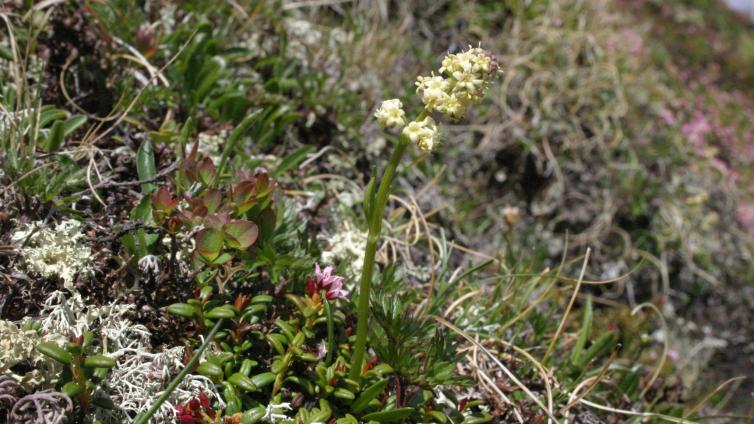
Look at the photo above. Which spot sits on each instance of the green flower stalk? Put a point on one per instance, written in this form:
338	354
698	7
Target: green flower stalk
463	80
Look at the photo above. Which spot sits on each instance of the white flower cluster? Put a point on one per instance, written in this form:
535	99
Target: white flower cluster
423	133
463	80
57	252
390	114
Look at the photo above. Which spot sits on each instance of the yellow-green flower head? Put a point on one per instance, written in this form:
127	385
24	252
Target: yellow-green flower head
463	81
390	114
423	133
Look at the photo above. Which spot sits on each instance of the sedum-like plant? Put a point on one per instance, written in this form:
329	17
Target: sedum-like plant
462	82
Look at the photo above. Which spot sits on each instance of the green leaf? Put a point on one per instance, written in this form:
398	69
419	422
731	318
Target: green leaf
253	415
209	369
145	166
369	195
209	244
263	379
261	298
183	310
225	311
242	382
369	393
55	137
277	340
578	348
291	161
210	74
246	366
439	417
224	257
99	361
604	343
345	394
390	416
55	352
50	114
72	124
72	389
240	234
235	135
143	210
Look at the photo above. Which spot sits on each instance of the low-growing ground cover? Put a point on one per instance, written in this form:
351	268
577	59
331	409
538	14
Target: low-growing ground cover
191	192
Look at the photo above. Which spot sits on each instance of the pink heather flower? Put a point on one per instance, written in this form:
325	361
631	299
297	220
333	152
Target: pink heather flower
668	116
745	216
325	280
696	129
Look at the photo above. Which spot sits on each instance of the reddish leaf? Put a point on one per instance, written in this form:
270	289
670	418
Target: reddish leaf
196	204
216	221
242	195
206	170
212	200
240	234
209	244
163	200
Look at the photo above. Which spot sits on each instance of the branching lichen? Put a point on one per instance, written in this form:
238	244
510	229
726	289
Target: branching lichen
57	252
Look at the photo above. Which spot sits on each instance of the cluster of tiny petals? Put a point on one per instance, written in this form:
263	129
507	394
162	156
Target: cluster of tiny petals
423	133
390	114
325	280
463	80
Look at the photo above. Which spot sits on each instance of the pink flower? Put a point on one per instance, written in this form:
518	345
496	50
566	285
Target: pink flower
668	116
696	129
325	280
745	216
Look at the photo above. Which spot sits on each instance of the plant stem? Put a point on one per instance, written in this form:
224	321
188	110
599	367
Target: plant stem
144	418
330	332
375	227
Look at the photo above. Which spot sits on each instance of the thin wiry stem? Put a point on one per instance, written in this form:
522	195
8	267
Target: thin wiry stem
144	418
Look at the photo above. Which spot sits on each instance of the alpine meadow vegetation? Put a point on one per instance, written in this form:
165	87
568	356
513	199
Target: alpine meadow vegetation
375	211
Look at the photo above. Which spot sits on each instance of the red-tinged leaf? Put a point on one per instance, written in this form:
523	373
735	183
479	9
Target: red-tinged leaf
196	204
206	170
189	167
240	234
163	200
209	244
174	224
265	184
242	193
212	200
189	218
215	221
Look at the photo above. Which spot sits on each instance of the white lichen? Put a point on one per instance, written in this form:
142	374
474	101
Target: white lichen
346	246
210	145
58	252
139	376
17	346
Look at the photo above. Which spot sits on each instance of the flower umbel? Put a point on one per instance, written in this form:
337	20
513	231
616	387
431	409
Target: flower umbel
463	80
325	281
390	114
